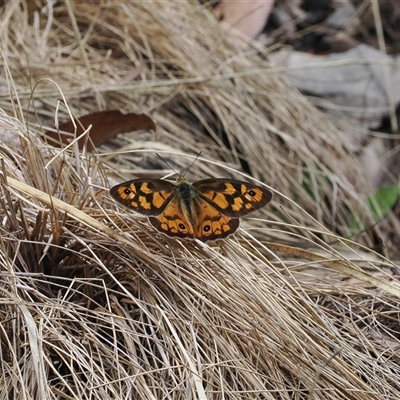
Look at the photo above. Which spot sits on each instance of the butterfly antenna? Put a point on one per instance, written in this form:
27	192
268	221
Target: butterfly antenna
187	169
191	165
166	163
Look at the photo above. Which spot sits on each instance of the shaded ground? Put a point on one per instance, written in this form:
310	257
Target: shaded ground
322	26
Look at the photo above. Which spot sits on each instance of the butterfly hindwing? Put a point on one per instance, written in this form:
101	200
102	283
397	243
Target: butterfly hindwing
212	224
209	222
233	198
172	221
145	196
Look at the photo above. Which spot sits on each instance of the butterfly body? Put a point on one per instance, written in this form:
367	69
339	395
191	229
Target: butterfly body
185	191
207	210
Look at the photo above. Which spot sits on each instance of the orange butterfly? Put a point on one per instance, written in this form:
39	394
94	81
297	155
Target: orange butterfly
207	210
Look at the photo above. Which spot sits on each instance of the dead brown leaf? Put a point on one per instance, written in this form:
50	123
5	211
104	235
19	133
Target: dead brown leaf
105	126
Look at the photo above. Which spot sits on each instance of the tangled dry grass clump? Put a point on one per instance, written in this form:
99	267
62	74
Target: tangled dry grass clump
96	304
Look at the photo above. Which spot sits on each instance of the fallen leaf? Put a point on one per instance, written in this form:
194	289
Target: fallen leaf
248	17
105	126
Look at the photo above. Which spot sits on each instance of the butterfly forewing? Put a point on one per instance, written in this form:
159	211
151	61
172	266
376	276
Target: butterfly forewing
145	196
233	198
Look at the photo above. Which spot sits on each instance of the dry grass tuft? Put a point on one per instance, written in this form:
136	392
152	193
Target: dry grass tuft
96	305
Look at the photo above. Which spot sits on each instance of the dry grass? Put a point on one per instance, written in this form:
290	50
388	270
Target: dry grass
95	305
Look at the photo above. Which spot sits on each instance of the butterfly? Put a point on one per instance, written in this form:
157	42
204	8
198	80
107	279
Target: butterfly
208	209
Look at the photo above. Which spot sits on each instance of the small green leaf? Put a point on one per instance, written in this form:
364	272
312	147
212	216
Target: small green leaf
383	200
